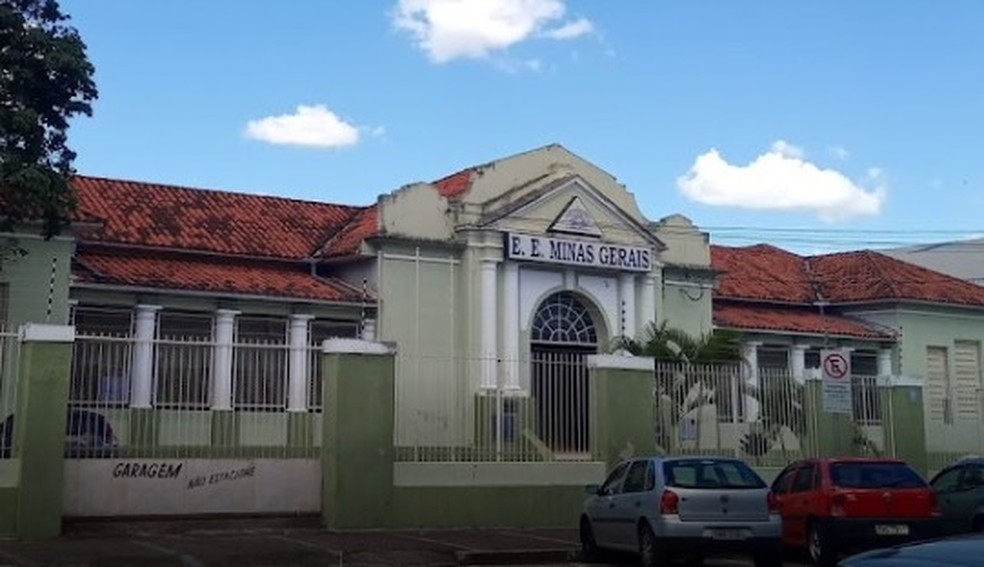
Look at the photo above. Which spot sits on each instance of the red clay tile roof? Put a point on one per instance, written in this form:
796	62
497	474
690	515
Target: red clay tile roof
868	276
762	272
166	216
210	274
456	184
790	319
769	274
346	242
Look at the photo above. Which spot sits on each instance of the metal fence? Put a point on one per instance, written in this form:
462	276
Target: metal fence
442	416
188	397
707	409
9	356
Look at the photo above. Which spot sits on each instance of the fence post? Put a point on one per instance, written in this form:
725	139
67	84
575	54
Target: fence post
827	434
622	408
357	443
905	423
39	426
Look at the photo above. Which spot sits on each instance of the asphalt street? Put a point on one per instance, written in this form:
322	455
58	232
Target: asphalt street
201	544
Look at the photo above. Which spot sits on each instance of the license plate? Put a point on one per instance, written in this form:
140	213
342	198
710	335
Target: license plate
891	529
731	535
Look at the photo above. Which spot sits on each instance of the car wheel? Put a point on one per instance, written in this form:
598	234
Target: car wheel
821	551
589	547
651	552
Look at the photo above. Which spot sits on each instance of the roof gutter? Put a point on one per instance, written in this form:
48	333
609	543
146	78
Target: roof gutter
216	295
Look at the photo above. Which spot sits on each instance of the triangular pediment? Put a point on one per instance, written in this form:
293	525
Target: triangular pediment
575	219
569	206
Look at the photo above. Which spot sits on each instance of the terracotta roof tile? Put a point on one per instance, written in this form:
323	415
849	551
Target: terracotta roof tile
761	272
166	216
456	184
346	242
769	274
867	275
210	274
790	319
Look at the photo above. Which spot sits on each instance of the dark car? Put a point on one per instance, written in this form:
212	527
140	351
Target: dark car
833	505
965	551
87	435
960	490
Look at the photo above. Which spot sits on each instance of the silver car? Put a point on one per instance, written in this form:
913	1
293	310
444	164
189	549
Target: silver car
682	507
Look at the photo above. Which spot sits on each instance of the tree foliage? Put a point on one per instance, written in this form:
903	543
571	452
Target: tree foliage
46	79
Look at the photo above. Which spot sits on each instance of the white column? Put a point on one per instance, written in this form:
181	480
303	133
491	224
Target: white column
369	330
626	298
297	382
489	312
647	306
885	362
510	324
225	324
142	377
797	363
749	352
658	283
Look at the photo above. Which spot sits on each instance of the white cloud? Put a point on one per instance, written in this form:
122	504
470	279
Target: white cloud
571	30
782	179
472	29
839	152
307	126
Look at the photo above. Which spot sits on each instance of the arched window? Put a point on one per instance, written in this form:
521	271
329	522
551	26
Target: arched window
563	319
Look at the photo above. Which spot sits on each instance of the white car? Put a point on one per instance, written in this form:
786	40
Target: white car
682	507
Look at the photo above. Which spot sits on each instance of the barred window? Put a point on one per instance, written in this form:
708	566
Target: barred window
101	356
773	357
563	319
184	359
260	363
864	387
321	330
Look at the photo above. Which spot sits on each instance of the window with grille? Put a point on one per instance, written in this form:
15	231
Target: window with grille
260	363
864	387
563	319
938	385
101	356
183	361
773	357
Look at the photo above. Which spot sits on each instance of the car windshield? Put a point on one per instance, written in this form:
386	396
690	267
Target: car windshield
875	475
710	473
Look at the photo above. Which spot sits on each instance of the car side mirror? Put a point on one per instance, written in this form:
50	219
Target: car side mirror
593	489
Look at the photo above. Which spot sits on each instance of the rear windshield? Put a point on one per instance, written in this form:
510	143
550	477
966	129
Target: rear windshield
875	475
710	473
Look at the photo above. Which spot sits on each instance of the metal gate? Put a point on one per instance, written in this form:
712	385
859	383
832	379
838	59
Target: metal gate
9	357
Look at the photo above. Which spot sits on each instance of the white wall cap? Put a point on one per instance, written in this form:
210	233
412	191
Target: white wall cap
902	380
621	361
356	346
44	333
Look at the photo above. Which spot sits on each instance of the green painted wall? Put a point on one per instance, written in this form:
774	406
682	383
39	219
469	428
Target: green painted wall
687	308
39	432
357	472
28	279
909	427
478	506
623	414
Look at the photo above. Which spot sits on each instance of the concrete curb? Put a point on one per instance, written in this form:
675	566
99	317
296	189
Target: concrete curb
516	557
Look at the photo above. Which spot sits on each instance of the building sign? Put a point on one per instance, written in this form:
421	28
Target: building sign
571	252
836	382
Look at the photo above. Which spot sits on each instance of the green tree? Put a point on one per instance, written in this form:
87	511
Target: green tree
45	81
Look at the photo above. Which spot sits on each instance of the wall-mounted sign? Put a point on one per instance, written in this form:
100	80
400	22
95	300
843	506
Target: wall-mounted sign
836	382
571	252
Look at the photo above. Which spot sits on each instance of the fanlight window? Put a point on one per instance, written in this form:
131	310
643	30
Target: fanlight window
563	319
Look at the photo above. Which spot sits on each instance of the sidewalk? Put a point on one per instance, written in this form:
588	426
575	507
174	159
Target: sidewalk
266	543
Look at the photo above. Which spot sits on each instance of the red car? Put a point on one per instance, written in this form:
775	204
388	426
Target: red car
833	505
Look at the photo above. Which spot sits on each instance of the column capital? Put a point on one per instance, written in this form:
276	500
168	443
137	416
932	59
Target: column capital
300	317
230	313
488	263
147	308
800	348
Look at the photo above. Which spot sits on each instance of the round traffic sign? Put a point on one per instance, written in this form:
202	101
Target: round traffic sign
835	365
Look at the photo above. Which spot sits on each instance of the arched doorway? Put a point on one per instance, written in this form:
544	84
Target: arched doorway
563	334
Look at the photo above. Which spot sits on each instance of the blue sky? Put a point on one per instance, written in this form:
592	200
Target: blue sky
812	125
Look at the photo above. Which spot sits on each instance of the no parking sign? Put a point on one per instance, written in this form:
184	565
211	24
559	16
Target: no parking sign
836	366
